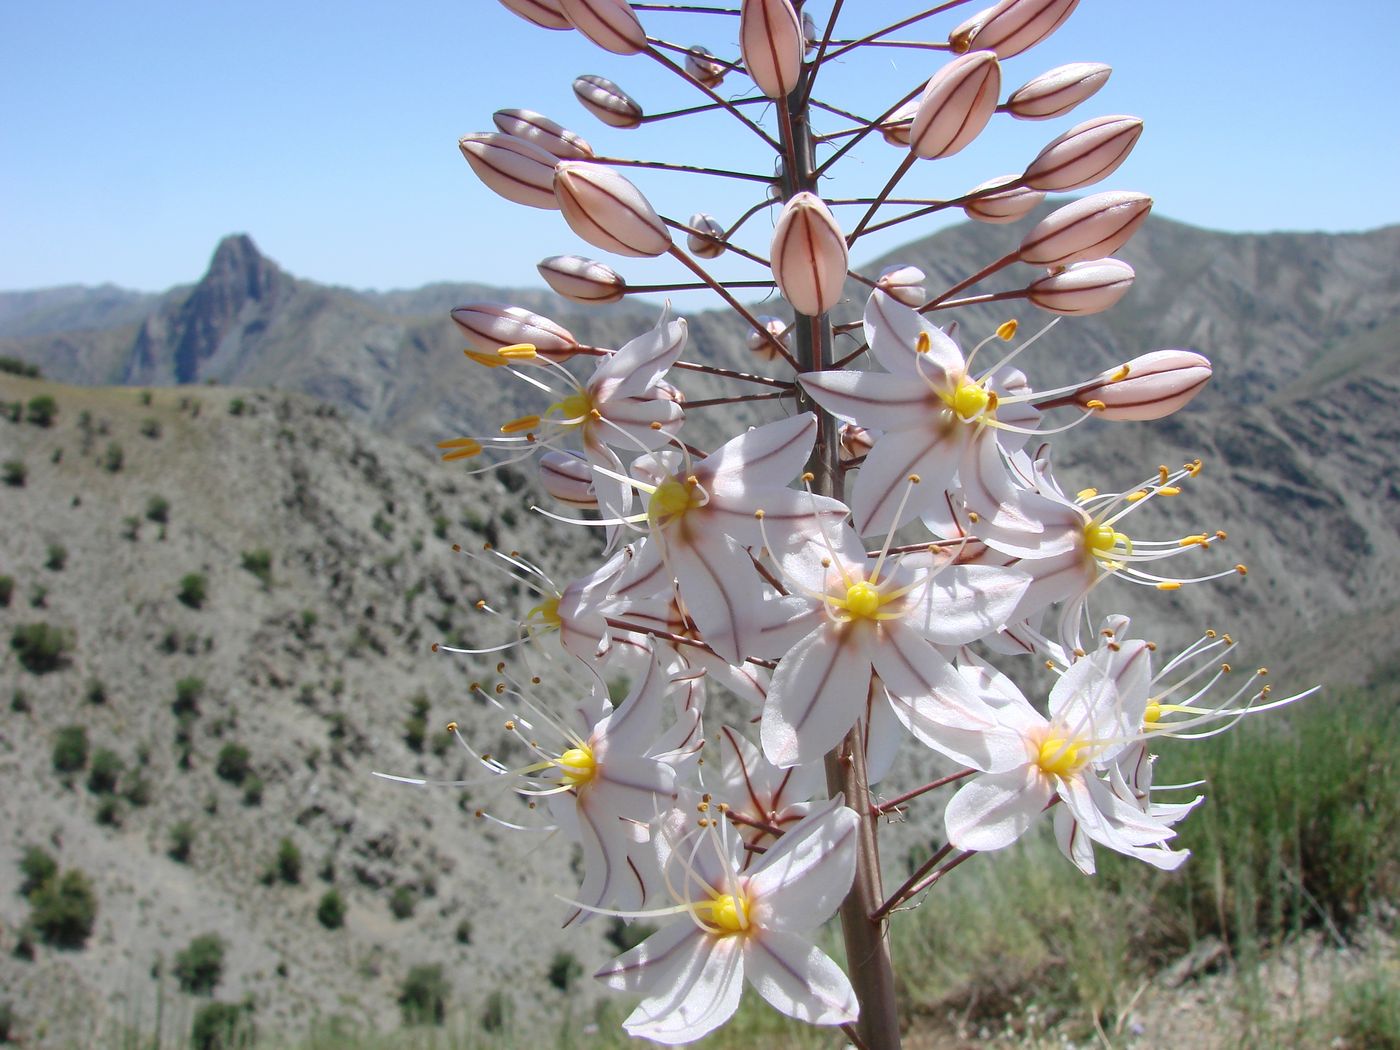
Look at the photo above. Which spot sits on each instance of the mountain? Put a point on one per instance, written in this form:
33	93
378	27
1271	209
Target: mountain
1296	428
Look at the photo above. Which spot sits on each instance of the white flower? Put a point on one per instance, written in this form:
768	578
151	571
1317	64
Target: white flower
742	924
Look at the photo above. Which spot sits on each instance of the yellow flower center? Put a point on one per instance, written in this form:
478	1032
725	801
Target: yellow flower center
577	765
1106	544
573	410
730	914
1153	714
546	613
971	400
672	499
1061	757
862	600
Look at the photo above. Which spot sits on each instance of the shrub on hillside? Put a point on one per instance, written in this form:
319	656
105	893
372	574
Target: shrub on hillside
181	842
114	458
187	694
194	590
331	911
150	428
200	966
158	509
64	909
7	590
288	861
56	558
70	749
423	995
234	763
259	563
41	647
36	867
105	771
16	367
402	902
223	1026
42	409
14	472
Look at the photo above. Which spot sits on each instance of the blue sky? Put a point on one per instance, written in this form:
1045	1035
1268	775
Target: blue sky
134	136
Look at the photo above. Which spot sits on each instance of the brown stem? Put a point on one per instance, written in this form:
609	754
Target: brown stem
724	103
736	398
933	785
729	373
921	880
691	169
734	304
967	282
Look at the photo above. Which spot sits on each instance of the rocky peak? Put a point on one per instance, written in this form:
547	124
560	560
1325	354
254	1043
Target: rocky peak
239	285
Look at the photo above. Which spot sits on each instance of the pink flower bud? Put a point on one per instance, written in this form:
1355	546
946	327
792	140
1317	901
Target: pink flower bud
771	41
539	130
708	242
904	284
856	441
1055	93
1011	26
607	211
897	125
611	24
1147	387
547	14
1084	154
568	478
767	349
608	102
809	255
957	103
518	170
1082	288
1002	206
1091	228
490	326
582	280
810	37
701	65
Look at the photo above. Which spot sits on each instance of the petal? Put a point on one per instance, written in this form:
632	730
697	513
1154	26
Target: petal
932	453
637	366
994	810
892	330
799	979
873	399
721	589
769	456
699	1002
816	694
966	602
804	878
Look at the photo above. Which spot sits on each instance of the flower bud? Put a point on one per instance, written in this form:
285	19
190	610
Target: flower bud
1001	206
1084	154
809	255
1011	26
1055	93
855	440
539	130
957	103
771	42
1091	228
490	326
518	170
582	280
547	14
767	349
607	211
1147	387
611	24
568	478
1082	288
897	125
608	102
707	243
810	37
904	284
703	67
